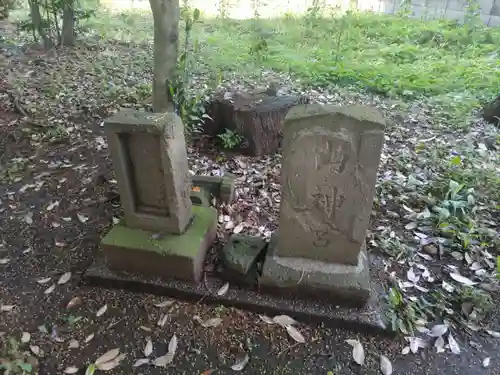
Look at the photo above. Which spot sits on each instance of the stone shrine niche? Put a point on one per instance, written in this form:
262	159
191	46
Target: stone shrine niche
144	165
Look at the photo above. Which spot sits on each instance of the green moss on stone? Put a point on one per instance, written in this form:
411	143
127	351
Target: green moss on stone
186	244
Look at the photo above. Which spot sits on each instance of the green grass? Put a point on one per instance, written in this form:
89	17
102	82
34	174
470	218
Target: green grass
453	67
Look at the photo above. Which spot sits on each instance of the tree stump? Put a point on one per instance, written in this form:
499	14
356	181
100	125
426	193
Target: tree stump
256	116
491	112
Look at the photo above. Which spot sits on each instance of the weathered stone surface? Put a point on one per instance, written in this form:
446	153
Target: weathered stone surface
342	285
171	256
330	160
200	196
221	187
150	164
240	256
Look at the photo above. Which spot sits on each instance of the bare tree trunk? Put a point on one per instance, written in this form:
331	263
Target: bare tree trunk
166	15
38	26
68	26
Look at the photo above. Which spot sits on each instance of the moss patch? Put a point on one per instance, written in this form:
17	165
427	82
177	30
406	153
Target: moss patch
186	244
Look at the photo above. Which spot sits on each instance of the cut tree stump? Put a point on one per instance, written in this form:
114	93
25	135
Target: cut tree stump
491	112
256	116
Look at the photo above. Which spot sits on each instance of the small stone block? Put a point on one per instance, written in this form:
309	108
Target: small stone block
240	256
227	188
200	196
221	187
342	285
169	256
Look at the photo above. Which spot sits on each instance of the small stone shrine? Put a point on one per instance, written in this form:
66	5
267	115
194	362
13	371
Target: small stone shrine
162	233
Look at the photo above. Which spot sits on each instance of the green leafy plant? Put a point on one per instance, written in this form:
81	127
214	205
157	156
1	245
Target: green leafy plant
190	108
230	139
13	360
401	314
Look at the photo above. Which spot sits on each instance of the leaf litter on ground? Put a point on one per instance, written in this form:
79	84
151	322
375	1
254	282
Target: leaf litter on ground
168	358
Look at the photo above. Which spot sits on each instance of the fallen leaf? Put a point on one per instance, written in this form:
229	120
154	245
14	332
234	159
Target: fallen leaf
405	350
164	360
148	349
494	334
102	310
240	364
411	276
44	280
90	370
82	218
35	350
385	365
7	308
108	356
237	229
106	366
462	279
411	225
296	335
4	261
71	370
64	278
454	347
213	322
88	338
284	320
223	289
73	344
438	330
486	362
166	303
141	362
26	337
75	301
266	319
358	353
163	319
172	345
439	344
50	289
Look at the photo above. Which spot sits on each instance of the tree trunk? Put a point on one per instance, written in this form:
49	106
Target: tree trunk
68	26
491	112
256	116
166	15
37	21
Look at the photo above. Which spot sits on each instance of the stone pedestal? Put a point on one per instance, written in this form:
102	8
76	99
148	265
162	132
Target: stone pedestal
343	285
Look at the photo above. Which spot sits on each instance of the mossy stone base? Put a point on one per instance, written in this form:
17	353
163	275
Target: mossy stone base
170	256
240	257
342	285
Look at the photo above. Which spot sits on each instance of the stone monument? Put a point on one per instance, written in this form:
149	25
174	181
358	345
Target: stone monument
162	233
329	169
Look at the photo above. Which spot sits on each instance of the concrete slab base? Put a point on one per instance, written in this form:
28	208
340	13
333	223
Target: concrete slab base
339	284
177	256
365	320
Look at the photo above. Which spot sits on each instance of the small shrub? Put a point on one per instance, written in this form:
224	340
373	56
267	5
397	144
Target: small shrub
230	139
